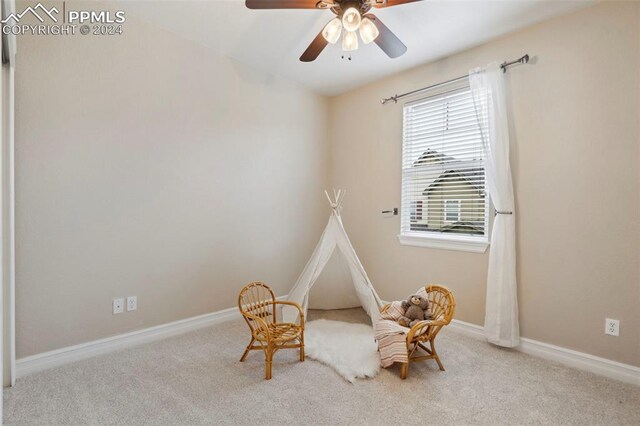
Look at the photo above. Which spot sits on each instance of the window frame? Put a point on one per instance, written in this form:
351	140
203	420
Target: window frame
446	241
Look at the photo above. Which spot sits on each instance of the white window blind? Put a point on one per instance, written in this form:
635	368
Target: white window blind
443	180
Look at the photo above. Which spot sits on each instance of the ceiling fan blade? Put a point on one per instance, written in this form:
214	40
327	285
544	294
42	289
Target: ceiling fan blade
386	40
286	4
388	3
315	48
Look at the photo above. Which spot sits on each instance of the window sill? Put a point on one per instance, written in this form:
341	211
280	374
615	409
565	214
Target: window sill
459	243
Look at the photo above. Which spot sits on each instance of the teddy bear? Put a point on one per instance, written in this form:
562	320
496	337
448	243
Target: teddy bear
416	309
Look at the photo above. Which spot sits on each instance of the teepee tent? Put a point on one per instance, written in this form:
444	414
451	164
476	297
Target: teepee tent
334	236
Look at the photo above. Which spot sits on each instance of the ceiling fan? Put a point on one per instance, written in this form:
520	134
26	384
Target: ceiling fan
352	16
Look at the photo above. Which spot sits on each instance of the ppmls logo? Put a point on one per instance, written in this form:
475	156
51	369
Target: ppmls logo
16	17
84	22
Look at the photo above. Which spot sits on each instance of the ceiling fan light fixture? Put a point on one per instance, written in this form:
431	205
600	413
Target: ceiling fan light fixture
350	41
332	30
351	19
368	31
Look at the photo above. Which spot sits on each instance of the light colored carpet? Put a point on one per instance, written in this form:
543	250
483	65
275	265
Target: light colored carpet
196	379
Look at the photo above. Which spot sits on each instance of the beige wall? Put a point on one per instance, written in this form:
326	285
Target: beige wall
575	167
148	166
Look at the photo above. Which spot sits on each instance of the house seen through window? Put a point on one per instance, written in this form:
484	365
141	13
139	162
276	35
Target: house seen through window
443	175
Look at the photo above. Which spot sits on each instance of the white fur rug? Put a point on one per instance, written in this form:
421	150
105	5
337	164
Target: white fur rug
350	349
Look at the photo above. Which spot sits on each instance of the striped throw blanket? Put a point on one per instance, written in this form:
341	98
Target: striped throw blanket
391	336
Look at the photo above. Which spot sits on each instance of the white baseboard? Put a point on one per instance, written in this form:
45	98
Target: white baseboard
612	369
58	357
580	360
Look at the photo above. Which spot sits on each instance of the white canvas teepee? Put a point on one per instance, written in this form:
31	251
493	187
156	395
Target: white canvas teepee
334	236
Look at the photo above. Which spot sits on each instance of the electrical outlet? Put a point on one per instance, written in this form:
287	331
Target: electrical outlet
132	303
118	305
612	327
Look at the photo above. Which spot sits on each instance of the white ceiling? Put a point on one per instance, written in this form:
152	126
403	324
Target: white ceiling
273	40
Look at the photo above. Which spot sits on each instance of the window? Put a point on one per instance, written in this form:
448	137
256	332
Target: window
417	212
451	210
444	202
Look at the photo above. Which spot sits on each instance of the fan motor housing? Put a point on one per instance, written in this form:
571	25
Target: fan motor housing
338	7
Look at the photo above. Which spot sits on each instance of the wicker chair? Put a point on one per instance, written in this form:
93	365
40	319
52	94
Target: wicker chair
442	305
258	304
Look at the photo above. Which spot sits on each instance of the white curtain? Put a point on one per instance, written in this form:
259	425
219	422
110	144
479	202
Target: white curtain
501	315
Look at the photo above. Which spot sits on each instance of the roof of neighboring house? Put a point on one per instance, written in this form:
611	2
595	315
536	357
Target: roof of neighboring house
472	176
432	156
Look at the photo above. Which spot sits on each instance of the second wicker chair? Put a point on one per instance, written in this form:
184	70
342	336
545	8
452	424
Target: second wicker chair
442	305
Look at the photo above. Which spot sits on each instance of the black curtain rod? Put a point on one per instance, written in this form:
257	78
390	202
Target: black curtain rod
521	61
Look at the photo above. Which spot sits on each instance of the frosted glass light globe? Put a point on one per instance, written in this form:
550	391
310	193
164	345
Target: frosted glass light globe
368	31
350	41
351	19
332	31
